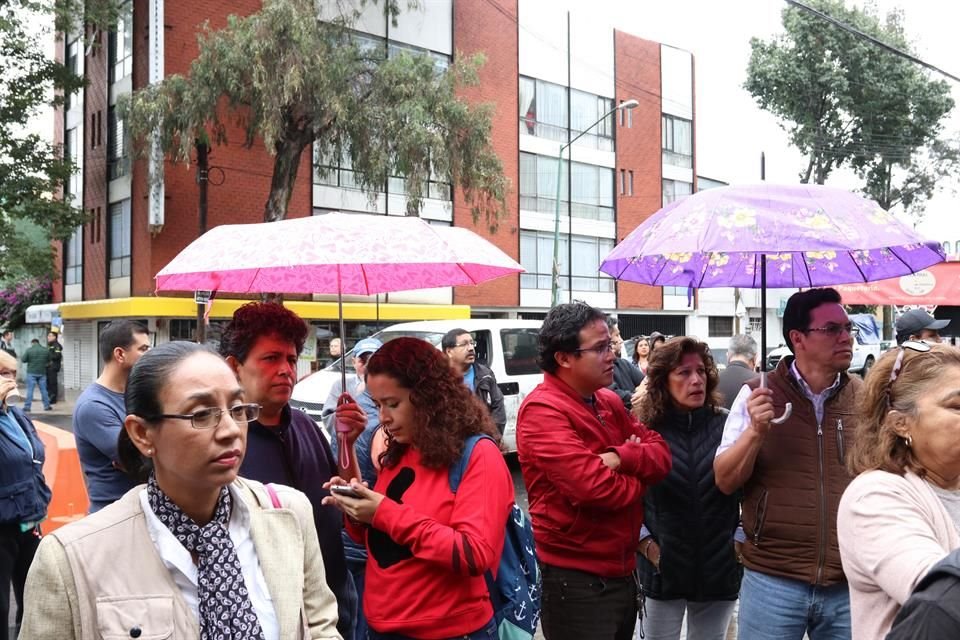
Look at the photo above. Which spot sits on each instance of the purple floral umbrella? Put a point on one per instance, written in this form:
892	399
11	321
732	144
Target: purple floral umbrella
783	236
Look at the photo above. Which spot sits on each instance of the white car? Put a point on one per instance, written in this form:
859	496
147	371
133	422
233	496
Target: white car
508	347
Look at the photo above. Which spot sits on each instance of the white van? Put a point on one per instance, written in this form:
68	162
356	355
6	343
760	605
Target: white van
508	347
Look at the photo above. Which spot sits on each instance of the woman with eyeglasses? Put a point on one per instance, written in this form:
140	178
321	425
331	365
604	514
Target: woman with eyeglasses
900	516
687	564
196	552
428	546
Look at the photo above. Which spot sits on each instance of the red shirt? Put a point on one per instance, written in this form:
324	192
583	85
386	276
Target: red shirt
429	548
586	516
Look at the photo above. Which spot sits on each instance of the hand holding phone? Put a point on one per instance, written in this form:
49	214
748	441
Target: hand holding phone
345	490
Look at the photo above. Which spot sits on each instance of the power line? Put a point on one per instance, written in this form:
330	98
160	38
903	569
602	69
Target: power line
866	36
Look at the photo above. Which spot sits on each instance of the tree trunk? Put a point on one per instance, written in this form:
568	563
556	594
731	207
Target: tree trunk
285	168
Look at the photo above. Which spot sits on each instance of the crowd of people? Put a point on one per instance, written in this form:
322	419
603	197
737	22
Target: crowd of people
661	490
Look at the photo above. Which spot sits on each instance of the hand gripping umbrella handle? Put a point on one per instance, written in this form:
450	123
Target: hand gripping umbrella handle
787	411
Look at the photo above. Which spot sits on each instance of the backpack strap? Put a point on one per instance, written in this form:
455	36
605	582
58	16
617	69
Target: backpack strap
460	467
274	498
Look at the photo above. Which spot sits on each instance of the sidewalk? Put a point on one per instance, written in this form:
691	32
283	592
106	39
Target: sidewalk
64	406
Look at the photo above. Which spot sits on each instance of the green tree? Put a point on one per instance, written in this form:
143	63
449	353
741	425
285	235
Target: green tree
845	101
32	171
294	81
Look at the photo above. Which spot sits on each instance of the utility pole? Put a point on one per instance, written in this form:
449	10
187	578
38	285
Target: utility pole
203	178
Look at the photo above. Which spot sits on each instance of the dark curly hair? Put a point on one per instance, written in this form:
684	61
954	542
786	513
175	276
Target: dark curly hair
560	332
446	411
256	319
665	359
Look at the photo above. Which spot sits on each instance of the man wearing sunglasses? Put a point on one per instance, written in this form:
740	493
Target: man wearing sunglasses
586	463
918	325
791	470
460	348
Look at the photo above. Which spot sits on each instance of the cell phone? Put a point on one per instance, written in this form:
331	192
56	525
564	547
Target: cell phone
344	490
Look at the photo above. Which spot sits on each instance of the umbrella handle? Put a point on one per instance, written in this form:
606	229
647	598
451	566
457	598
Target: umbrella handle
787	410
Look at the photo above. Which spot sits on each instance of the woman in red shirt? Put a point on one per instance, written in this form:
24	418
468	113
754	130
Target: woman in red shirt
428	547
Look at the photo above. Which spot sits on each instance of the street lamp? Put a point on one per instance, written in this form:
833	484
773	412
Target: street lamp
555	288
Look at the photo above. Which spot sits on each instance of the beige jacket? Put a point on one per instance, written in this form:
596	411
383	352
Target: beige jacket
892	530
101	577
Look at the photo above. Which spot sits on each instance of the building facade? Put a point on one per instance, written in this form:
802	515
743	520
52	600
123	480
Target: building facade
550	74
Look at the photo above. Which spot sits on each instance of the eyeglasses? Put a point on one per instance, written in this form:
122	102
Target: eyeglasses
834	330
600	349
210	418
464	345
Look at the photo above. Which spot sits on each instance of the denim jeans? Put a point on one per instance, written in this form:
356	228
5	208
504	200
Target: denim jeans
775	608
33	380
487	632
576	605
663	619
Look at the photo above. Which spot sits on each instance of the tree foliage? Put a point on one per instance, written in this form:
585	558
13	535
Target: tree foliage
32	171
845	101
293	80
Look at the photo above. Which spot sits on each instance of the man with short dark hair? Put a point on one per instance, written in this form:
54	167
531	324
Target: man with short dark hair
741	366
460	348
917	324
262	344
792	474
100	411
586	464
36	359
6	342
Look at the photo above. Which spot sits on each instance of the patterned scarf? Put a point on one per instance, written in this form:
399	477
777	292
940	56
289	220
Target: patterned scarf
225	609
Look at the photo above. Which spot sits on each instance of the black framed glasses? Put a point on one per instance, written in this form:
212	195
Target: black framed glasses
834	330
600	349
210	418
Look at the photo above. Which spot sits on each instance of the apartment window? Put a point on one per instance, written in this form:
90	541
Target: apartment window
536	256
71	153
120	239
441	62
185	330
591	189
630	182
674	190
543	113
335	172
623	182
73	258
720	326
675	291
72	63
586	109
677	141
118	162
121	45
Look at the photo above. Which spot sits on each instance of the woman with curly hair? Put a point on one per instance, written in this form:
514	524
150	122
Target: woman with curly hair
688	564
900	516
428	547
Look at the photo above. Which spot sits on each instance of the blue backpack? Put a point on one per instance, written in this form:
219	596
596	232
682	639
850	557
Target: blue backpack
515	593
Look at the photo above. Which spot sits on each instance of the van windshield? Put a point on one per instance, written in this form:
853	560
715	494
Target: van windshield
433	337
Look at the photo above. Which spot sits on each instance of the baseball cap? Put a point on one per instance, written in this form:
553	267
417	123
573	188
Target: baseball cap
656	335
367	345
916	320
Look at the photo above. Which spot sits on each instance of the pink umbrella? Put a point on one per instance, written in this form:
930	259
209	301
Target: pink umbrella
339	253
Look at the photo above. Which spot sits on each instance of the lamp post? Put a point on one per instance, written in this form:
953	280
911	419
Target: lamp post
555	287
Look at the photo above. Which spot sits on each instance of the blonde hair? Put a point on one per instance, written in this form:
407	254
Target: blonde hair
7	360
878	445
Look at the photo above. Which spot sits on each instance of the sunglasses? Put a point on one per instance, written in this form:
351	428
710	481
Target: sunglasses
911	345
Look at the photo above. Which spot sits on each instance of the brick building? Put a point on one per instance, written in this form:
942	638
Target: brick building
550	75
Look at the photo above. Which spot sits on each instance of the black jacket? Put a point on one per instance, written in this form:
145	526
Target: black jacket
626	377
932	612
690	518
485	386
24	494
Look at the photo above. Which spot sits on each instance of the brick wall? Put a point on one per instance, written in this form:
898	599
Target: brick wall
94	148
480	27
58	134
638	150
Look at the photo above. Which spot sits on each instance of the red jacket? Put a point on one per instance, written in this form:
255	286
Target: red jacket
585	516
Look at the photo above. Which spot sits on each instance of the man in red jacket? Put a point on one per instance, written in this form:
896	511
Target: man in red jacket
586	463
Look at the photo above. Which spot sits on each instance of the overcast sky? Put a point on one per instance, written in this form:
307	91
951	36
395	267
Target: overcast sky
731	130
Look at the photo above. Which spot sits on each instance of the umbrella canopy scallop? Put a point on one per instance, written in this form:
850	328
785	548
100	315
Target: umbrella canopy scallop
811	235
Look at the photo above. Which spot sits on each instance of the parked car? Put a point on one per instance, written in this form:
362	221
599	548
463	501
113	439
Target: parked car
867	346
508	347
